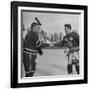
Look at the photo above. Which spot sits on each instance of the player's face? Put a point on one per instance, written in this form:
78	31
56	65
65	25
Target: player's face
37	28
67	30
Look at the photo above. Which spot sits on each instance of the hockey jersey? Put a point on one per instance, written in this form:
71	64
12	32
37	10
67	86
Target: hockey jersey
71	40
31	43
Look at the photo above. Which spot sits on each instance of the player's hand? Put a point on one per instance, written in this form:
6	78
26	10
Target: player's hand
40	51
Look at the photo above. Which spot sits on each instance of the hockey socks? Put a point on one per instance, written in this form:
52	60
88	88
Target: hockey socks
77	69
69	68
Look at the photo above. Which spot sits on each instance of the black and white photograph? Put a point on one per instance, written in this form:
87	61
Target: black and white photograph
50	44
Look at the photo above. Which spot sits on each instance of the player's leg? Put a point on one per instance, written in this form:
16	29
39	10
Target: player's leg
33	63
76	61
69	66
26	61
77	68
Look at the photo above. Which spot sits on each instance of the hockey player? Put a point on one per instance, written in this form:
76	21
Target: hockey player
31	48
71	42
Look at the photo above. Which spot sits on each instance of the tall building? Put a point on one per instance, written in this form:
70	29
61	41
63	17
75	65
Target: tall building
61	36
55	36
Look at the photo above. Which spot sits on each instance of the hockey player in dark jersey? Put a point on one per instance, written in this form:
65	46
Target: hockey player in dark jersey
71	42
31	48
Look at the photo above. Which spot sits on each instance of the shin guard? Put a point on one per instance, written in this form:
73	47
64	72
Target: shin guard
77	69
69	68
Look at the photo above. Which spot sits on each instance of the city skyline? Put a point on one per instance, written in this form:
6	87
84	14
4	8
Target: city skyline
51	22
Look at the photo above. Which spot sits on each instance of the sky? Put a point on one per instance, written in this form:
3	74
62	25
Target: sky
51	22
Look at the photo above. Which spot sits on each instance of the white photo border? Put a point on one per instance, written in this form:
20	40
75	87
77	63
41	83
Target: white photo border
58	77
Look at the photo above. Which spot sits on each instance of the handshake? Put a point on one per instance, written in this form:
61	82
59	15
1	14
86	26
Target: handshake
39	51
